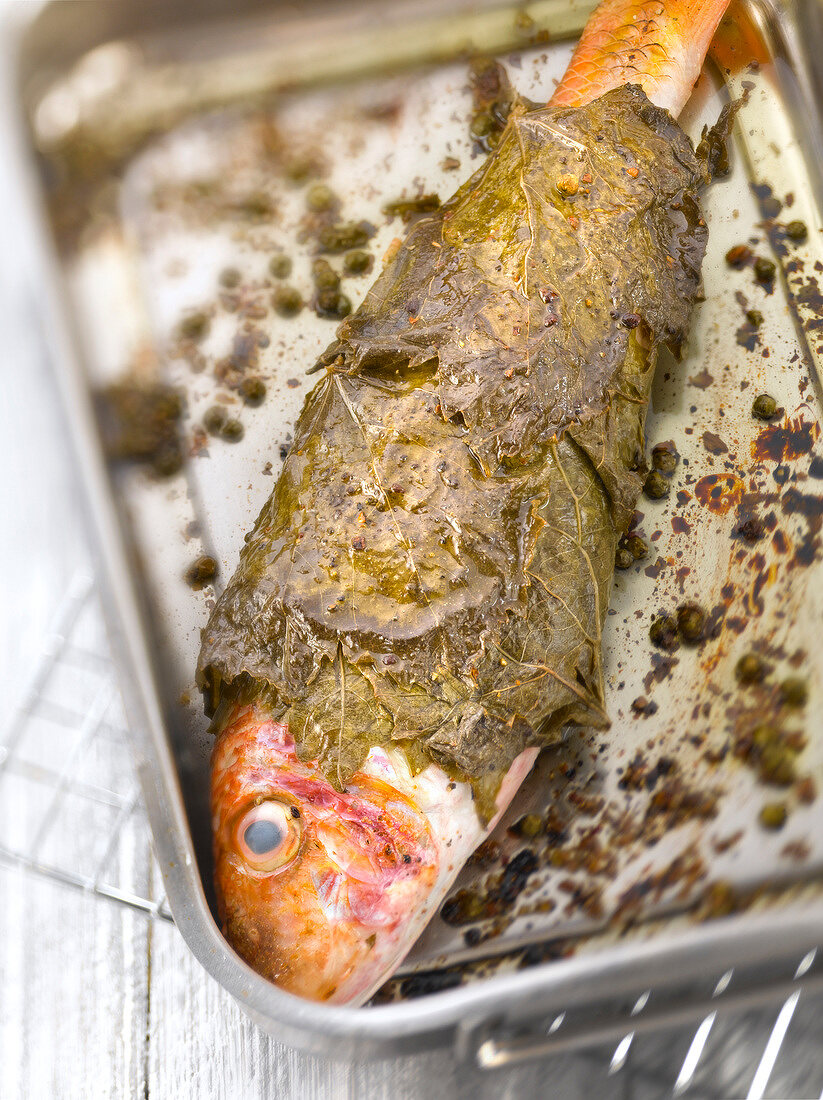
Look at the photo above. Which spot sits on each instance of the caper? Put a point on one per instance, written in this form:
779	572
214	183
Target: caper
773	815
794	691
229	277
639	549
232	431
764	407
342	238
320	197
623	558
664	460
287	301
201	571
656	486
214	419
754	317
168	459
797	231
193	327
750	669
280	266
663	632
332	304
777	766
252	390
481	124
764	270
690	623
357	262
324	275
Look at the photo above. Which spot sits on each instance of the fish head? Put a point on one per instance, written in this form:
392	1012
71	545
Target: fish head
321	890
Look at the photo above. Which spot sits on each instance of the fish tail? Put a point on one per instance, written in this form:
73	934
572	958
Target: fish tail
659	45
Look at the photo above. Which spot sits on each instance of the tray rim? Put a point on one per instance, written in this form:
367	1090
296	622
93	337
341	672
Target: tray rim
456	1016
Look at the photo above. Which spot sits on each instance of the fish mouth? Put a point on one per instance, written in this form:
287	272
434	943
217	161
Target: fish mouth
320	890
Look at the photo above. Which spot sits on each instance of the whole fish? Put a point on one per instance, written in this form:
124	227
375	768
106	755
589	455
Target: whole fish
419	606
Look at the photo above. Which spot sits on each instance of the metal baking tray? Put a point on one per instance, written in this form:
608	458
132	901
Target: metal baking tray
150	146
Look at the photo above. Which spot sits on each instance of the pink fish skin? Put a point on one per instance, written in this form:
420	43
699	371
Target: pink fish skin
324	891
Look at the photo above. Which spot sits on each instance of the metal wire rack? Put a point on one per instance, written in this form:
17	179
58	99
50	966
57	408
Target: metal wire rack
71	810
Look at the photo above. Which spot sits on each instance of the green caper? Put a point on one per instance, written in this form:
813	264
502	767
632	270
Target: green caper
656	486
280	266
623	558
750	669
168	459
529	825
342	238
776	766
287	301
229	277
764	270
357	262
797	231
764	407
663	632
232	431
481	124
324	275
794	691
194	327
252	390
664	460
639	549
201	571
754	317
214	419
332	304
691	620
320	197
773	815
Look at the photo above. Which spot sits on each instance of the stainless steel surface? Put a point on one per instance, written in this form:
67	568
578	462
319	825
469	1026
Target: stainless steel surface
164	755
728	1054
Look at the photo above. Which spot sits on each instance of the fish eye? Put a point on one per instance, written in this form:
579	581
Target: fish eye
268	836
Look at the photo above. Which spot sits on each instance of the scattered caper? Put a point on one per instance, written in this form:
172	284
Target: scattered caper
764	407
773	815
690	623
739	255
481	124
664	460
777	766
656	486
252	390
342	238
333	304
168	459
232	431
229	277
214	419
637	546
357	262
750	669
663	632
797	231
287	301
794	691
280	266
193	327
530	825
324	275
320	197
764	270
754	317
201	571
623	558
